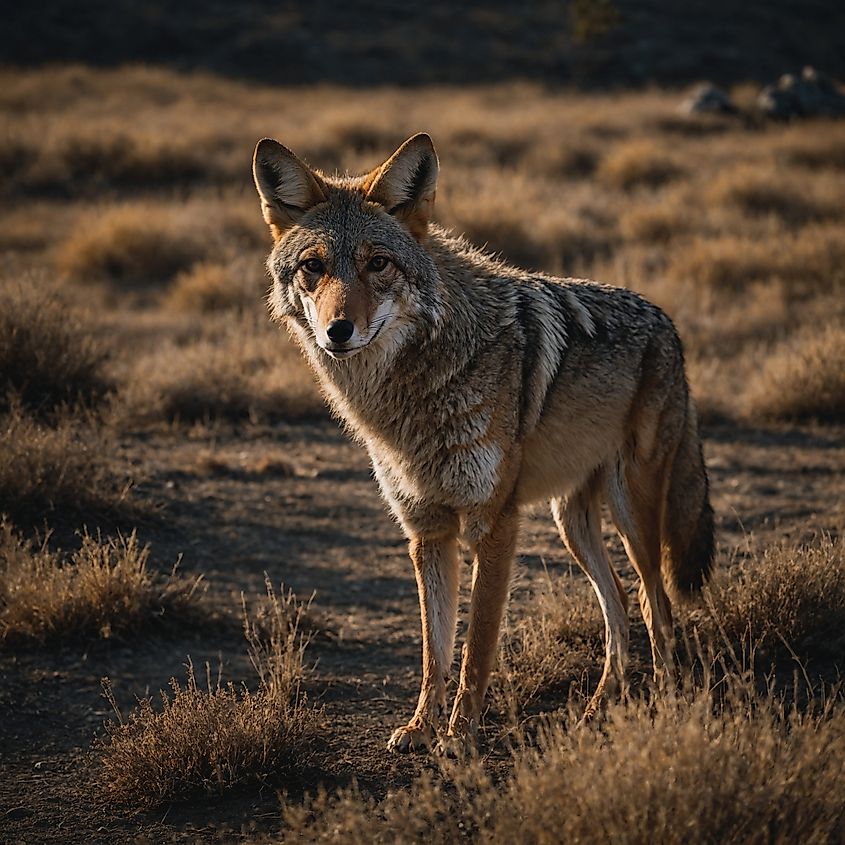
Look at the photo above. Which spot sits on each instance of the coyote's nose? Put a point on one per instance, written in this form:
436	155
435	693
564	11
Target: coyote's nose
339	331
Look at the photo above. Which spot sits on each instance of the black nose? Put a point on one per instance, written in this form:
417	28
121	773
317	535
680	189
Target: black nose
339	331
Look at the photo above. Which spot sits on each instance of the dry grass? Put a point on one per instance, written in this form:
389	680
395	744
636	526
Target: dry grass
803	378
104	589
638	163
238	369
48	356
679	771
212	286
134	245
60	470
555	648
212	737
787	602
803	264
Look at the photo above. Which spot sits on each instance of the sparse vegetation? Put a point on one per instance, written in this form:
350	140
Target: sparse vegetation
58	470
789	600
48	355
803	378
673	772
104	589
212	737
137	181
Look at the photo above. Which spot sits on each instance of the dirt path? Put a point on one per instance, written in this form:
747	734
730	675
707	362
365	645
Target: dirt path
298	503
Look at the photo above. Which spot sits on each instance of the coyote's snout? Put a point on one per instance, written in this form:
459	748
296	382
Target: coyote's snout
478	388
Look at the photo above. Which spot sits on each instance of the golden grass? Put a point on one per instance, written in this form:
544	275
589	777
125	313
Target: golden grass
641	162
238	369
212	737
803	378
213	286
555	648
63	470
103	590
789	598
48	355
676	771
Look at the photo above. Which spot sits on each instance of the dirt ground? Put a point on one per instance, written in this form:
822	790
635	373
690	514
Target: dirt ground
298	502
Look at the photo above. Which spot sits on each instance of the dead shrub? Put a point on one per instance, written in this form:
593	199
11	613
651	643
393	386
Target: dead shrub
60	470
802	379
807	263
655	223
638	163
212	737
209	286
785	603
240	369
102	590
677	770
759	191
556	647
137	245
48	356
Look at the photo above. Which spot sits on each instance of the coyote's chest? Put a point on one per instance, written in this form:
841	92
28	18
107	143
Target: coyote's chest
435	447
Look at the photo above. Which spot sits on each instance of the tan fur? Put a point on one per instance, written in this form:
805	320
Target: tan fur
478	388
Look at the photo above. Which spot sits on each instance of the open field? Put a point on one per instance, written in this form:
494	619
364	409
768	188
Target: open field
150	413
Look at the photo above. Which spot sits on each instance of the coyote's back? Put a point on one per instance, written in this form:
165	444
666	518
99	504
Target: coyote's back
478	388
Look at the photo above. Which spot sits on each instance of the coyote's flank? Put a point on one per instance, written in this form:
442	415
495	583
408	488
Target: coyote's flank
478	388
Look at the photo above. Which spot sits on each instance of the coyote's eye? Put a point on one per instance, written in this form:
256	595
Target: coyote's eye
313	265
378	263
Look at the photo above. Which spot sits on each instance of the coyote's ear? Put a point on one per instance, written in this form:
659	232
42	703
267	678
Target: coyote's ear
286	185
406	183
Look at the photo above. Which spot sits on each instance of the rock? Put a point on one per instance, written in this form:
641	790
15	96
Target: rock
811	95
707	99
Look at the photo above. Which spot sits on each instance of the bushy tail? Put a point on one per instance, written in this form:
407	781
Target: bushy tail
688	518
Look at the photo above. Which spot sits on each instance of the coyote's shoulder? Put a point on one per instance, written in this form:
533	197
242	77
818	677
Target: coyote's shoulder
478	388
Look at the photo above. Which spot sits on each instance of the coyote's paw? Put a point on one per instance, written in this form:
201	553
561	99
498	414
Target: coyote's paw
410	737
460	742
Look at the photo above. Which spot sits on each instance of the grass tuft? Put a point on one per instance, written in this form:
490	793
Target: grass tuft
787	604
213	737
102	590
48	356
60	469
638	163
802	379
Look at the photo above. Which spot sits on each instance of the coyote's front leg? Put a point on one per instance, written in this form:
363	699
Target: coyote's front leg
436	567
490	586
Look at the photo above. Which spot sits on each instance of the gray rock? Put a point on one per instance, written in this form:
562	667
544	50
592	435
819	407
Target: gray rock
810	95
707	99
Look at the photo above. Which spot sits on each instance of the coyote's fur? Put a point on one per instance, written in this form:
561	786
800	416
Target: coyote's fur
478	388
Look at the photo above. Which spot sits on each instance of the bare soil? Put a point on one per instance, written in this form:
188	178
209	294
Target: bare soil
298	502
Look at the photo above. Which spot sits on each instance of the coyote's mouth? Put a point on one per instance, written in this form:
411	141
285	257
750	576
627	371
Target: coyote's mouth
340	353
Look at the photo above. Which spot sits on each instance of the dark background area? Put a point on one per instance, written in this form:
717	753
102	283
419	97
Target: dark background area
585	43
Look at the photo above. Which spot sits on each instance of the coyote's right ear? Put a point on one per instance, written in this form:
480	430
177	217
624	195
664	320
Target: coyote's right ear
286	185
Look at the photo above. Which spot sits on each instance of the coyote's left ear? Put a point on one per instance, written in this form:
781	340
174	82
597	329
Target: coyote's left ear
406	183
286	185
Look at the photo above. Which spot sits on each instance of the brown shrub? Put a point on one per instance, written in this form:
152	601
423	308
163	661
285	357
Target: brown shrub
673	771
555	647
638	163
211	738
655	223
60	470
48	356
812	261
803	378
102	590
760	191
787	602
135	245
211	286
239	369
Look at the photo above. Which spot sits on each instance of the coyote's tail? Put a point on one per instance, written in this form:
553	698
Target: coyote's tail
687	531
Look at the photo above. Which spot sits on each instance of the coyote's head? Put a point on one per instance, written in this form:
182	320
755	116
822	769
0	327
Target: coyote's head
348	266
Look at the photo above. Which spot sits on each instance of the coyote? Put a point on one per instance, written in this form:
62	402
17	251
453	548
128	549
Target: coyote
478	388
